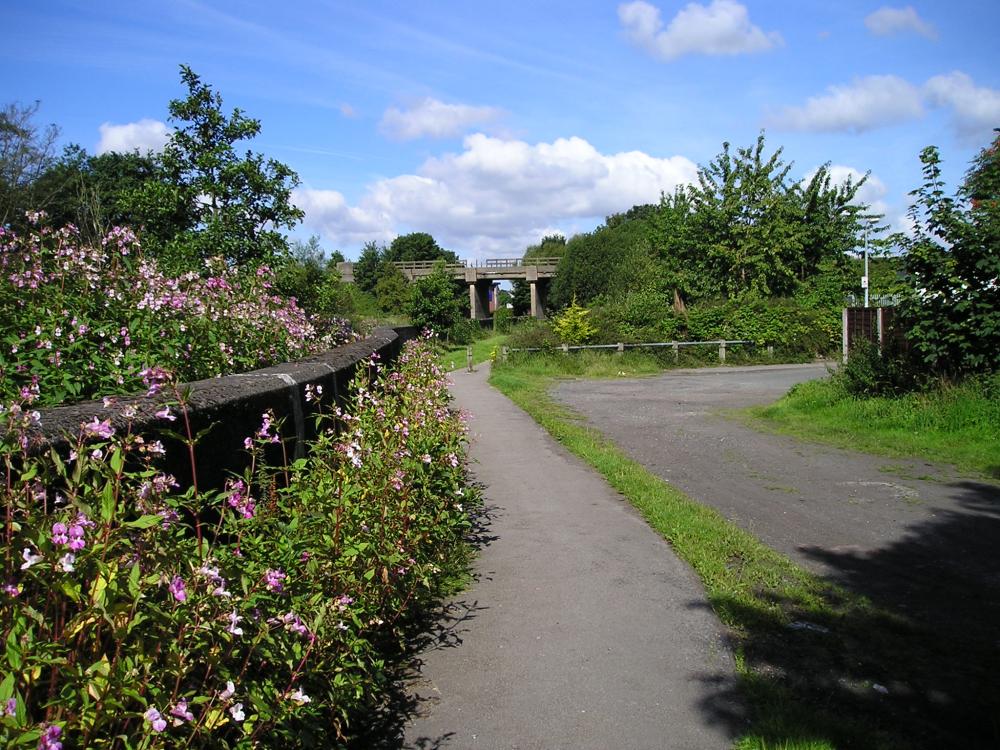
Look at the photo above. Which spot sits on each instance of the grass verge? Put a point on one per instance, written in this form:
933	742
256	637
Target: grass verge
454	357
819	667
959	425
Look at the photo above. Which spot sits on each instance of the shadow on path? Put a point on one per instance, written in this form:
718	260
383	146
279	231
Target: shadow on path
440	626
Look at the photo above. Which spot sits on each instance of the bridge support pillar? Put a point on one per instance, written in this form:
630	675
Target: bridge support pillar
479	299
538	294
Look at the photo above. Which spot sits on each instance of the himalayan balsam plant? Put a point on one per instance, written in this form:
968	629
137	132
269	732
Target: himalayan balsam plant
86	321
136	615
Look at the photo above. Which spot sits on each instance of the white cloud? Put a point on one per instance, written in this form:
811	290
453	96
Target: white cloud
431	118
144	135
497	196
720	28
887	21
975	109
865	104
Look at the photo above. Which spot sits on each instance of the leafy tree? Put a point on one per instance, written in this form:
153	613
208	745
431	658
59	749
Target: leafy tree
392	290
98	192
953	319
306	274
417	246
432	302
26	151
551	246
572	326
369	266
239	202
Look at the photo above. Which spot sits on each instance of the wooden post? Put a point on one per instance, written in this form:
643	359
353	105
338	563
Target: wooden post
677	352
468	357
621	348
770	350
565	348
504	351
843	336
722	352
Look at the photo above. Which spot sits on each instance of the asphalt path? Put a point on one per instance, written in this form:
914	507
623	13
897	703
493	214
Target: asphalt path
914	536
582	628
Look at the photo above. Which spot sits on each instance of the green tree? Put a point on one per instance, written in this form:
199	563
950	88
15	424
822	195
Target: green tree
98	192
369	266
573	326
392	290
417	246
953	318
550	246
26	151
432	302
306	274
240	202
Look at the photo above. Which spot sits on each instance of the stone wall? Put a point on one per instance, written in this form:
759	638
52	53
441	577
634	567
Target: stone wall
229	409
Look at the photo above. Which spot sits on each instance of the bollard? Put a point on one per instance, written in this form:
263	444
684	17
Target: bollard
677	352
621	348
770	351
722	352
468	357
565	348
504	351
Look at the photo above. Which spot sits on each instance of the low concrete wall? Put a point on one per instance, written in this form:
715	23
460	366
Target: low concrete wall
230	408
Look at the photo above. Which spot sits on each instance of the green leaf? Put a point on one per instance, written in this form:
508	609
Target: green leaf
144	522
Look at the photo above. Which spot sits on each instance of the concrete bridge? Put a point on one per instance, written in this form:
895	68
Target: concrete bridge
480	276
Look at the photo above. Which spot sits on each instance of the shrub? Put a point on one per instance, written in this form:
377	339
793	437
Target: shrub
533	334
83	322
503	320
135	615
572	325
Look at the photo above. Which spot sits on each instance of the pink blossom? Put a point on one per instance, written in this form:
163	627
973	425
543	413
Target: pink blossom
9	708
59	533
98	428
76	540
180	710
178	589
164	413
50	738
29	558
274	580
155	720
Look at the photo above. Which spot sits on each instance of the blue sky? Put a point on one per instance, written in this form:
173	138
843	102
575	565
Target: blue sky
491	124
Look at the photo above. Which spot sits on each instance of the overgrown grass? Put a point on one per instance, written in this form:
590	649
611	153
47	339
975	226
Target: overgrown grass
808	688
452	357
952	424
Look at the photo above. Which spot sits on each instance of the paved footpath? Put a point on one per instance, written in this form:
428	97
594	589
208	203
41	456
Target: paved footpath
582	629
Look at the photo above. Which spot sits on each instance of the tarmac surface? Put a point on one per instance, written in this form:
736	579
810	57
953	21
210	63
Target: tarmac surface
916	537
582	629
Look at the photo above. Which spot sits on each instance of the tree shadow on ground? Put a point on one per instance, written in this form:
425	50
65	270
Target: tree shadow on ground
437	625
914	667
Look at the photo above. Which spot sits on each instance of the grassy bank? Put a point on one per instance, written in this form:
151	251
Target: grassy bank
814	660
953	424
452	357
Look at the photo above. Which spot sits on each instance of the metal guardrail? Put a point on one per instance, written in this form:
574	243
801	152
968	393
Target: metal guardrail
621	347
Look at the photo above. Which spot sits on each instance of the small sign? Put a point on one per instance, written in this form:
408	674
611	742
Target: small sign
864	282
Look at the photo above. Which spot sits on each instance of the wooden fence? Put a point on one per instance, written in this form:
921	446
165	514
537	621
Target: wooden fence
874	324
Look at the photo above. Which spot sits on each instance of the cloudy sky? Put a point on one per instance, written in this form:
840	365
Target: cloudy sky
491	124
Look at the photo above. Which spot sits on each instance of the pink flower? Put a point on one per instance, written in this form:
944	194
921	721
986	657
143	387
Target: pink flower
50	738
98	428
164	413
178	589
9	708
155	720
76	540
59	533
29	558
233	620
274	580
180	710
229	692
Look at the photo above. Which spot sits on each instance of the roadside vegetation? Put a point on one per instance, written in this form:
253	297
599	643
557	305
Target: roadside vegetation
139	613
953	424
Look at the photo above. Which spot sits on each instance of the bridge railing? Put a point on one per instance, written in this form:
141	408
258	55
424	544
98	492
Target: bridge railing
494	263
